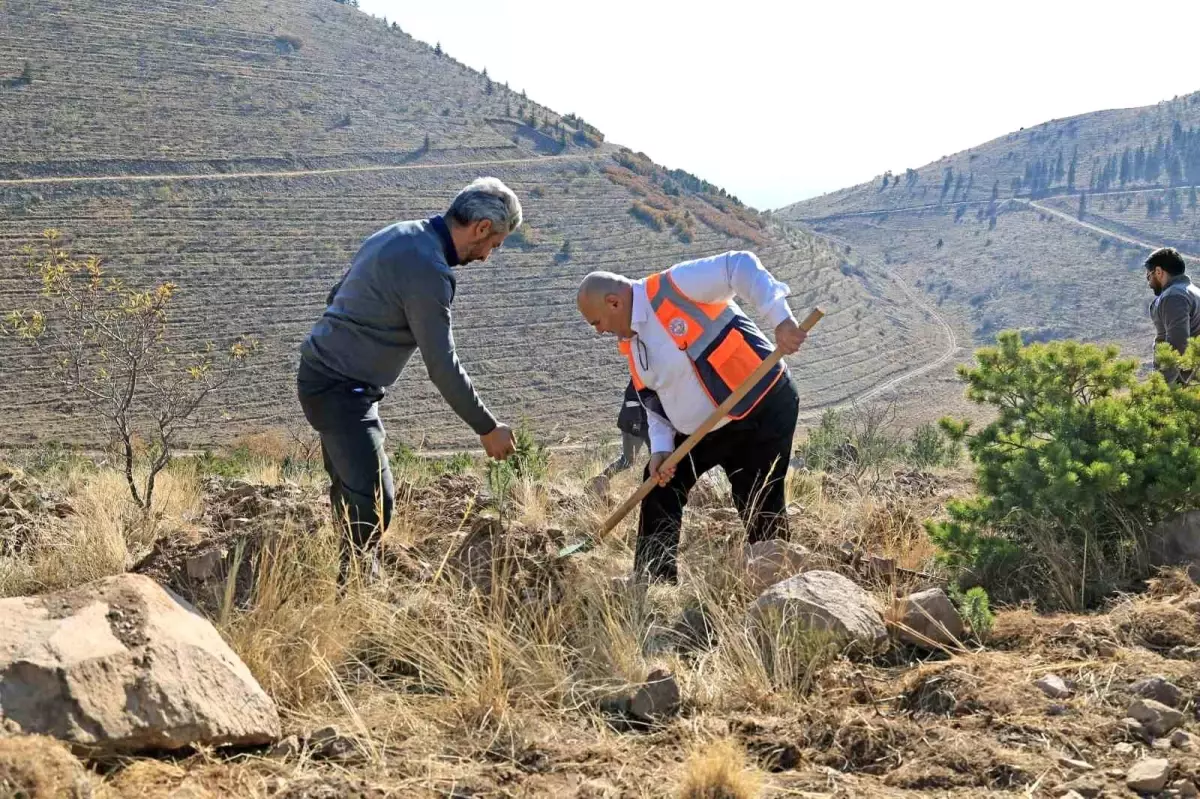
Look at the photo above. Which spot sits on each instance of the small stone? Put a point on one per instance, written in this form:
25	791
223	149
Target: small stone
1157	718
1088	787
285	749
1123	748
694	631
1148	776
1184	653
774	560
328	744
657	698
1071	795
1074	765
1161	744
1158	689
202	567
1181	739
599	485
1053	686
1134	729
929	619
1185	788
1057	709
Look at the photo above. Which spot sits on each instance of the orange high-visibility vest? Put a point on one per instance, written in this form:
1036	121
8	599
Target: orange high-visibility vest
724	346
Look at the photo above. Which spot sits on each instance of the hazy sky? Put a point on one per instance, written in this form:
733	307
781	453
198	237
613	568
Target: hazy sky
780	101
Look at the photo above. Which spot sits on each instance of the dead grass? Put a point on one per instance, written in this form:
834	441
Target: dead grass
37	767
440	688
719	770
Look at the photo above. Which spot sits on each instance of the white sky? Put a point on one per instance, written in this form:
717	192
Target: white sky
780	101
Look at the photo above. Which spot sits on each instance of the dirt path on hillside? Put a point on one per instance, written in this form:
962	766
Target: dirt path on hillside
293	173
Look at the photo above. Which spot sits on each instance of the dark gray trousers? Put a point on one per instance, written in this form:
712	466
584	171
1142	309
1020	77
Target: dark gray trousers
361	493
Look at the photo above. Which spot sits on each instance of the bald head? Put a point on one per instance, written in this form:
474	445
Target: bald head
597	284
605	300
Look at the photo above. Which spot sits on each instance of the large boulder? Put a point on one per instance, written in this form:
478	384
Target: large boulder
1176	542
122	665
773	561
822	601
928	619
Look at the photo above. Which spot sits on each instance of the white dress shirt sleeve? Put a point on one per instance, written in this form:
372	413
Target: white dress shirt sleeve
721	277
662	434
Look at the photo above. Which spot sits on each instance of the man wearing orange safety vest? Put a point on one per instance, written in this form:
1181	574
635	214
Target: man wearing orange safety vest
689	346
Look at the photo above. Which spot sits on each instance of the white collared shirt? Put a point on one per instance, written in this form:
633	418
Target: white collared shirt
666	369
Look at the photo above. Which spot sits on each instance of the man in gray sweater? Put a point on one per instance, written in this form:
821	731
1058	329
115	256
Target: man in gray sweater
1175	309
395	299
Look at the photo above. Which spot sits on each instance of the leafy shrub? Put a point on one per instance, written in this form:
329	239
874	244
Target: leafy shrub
930	447
858	443
1081	459
974	606
651	217
108	344
524	237
288	43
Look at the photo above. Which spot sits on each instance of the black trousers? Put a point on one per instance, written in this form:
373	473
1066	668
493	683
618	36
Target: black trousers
361	490
754	452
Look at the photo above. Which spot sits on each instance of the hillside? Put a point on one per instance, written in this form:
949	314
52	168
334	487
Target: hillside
244	150
1044	228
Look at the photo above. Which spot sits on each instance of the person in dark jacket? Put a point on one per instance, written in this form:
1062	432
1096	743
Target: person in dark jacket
635	430
1175	309
393	301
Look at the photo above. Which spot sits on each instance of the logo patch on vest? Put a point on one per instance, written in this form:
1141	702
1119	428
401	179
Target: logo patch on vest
678	327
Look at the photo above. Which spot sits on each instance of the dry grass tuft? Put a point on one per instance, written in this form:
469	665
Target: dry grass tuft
37	767
719	770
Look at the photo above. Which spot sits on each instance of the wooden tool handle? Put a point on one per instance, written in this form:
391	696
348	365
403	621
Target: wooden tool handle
717	415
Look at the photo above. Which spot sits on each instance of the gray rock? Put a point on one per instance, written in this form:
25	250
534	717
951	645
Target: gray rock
327	743
1157	718
773	561
1181	739
822	601
1089	786
929	619
1185	788
657	698
285	749
694	631
1148	776
1053	686
1158	689
1075	765
122	665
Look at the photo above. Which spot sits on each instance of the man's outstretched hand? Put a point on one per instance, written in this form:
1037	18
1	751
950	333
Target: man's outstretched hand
789	336
499	443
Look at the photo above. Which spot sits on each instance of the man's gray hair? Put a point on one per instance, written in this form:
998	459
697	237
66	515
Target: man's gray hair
487	198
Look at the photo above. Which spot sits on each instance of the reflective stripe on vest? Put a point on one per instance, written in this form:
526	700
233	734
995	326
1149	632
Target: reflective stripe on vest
723	345
626	348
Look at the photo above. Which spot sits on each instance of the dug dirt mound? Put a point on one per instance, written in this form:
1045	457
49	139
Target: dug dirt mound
239	519
495	557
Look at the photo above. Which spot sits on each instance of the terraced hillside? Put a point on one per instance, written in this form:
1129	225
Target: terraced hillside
244	150
1044	228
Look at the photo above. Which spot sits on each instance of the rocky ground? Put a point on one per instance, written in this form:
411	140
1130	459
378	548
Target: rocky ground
484	665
